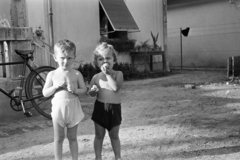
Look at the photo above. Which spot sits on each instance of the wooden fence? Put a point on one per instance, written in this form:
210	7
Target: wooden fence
233	66
42	53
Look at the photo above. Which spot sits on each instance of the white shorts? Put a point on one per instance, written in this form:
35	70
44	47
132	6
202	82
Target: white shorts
67	112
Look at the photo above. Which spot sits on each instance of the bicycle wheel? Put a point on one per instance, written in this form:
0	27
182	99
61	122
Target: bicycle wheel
33	87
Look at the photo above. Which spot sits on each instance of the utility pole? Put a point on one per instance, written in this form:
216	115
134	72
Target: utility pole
165	55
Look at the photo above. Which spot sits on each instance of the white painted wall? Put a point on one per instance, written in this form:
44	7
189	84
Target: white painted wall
35	16
214	33
148	15
78	21
73	19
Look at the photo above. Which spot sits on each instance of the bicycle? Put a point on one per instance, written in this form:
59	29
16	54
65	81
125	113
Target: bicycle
32	85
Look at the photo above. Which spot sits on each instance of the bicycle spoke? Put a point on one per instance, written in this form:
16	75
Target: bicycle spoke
34	86
48	98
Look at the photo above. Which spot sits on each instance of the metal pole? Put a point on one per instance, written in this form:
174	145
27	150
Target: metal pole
181	46
165	54
51	36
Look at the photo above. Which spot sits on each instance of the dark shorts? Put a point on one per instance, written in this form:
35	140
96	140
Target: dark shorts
107	115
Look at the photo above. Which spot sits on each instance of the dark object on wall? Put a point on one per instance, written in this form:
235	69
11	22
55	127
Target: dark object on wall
185	31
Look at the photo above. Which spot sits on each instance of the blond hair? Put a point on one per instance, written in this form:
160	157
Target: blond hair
65	46
103	47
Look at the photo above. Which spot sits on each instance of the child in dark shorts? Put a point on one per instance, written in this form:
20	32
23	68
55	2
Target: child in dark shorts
107	118
106	86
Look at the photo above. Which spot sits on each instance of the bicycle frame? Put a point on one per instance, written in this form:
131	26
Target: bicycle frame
25	64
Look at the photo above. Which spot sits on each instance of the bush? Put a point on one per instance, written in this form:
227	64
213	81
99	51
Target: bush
130	72
88	71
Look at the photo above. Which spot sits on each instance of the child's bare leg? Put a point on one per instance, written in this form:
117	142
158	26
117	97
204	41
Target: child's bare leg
115	141
73	144
98	140
58	140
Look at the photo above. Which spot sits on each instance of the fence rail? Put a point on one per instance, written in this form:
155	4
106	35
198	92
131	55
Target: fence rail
42	53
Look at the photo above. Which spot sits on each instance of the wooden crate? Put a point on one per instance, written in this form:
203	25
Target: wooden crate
233	66
147	57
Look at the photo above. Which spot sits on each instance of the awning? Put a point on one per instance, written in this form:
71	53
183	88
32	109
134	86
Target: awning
173	2
119	15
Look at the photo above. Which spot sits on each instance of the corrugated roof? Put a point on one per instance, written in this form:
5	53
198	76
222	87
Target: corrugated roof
119	15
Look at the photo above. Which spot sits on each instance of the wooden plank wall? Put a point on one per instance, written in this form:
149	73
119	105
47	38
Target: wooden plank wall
236	66
233	68
229	67
1	59
42	53
41	56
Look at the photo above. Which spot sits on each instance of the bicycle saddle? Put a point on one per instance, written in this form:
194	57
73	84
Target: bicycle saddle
24	52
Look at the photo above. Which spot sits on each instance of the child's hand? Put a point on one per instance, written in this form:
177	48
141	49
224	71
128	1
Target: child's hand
93	91
94	88
58	85
105	69
70	88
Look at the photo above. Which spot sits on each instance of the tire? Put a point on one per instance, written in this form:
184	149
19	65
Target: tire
33	87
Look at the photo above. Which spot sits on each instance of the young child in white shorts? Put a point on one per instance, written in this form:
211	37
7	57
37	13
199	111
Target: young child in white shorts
66	84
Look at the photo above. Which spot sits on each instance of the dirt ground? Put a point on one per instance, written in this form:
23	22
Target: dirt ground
190	115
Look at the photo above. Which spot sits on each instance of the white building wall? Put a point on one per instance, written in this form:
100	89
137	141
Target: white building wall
148	14
214	33
35	16
78	21
75	20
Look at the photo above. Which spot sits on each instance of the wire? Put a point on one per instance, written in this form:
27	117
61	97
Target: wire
205	26
205	51
207	34
212	29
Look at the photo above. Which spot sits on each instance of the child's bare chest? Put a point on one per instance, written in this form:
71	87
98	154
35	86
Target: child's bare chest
64	77
103	82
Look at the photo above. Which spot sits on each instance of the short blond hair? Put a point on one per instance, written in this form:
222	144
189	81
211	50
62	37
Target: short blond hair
65	46
102	47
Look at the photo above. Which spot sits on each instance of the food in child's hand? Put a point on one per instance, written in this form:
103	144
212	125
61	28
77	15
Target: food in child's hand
106	65
93	91
94	88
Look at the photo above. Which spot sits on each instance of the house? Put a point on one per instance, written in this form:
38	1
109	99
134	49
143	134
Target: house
84	22
80	21
213	36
